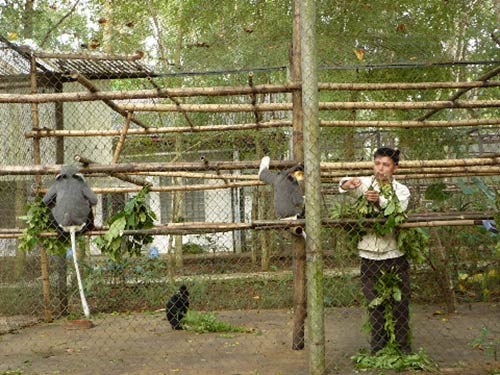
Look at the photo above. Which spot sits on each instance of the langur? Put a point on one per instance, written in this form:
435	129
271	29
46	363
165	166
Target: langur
177	307
71	201
288	191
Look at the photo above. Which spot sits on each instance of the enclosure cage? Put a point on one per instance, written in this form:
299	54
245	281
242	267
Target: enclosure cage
193	153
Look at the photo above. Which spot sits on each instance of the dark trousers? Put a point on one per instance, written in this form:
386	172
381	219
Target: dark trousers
371	270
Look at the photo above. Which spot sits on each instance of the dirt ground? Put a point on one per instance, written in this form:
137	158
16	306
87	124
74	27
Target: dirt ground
143	344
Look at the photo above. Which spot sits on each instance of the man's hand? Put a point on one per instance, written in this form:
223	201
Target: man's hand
372	195
351	184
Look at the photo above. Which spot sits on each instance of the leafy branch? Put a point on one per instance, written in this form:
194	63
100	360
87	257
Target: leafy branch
38	220
135	215
413	241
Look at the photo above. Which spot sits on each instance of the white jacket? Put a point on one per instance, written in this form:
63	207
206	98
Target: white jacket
370	246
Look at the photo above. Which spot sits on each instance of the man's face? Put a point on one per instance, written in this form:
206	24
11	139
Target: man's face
384	168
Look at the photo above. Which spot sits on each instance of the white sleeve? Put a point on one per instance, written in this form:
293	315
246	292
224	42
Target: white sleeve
342	180
403	194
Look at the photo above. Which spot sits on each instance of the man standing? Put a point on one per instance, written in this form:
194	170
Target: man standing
379	253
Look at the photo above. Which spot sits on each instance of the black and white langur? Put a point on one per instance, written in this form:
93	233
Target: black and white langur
288	189
177	307
71	201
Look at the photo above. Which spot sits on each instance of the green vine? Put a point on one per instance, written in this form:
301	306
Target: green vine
391	357
496	217
38	220
413	241
136	215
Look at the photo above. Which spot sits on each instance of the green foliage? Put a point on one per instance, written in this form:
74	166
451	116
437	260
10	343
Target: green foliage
192	248
391	358
436	192
38	220
204	322
135	215
414	242
388	288
497	221
12	372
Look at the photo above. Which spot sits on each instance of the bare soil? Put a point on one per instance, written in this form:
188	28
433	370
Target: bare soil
143	343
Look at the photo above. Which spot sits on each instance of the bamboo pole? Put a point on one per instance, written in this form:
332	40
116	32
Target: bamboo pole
263	125
44	264
298	243
176	101
87	84
61	264
231	90
421	170
215	227
314	264
410	124
91	57
453	98
132	168
162	130
86	162
123	135
206	176
272	107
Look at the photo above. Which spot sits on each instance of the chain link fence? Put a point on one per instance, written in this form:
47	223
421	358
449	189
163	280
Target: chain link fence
175	165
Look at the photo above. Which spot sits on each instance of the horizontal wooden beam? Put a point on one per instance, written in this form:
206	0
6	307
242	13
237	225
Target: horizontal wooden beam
229	91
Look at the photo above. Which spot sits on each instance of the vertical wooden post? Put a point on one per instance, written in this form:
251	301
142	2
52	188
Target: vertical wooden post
62	272
314	264
37	160
298	243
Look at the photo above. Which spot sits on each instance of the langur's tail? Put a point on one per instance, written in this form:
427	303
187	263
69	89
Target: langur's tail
85	305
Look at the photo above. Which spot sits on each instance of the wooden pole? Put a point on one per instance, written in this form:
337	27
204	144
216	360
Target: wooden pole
86	161
44	264
453	98
132	168
413	221
91	57
121	140
86	83
231	90
325	106
298	242
314	266
61	265
160	130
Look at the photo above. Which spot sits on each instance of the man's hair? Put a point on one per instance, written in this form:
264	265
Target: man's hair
387	151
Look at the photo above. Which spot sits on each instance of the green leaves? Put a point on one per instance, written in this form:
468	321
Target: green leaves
135	215
204	322
436	192
414	242
391	358
38	220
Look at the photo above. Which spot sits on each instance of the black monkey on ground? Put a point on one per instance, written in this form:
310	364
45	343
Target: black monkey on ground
177	307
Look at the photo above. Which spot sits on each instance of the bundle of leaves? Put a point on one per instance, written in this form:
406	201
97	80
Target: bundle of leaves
135	215
38	220
413	241
388	288
204	322
391	358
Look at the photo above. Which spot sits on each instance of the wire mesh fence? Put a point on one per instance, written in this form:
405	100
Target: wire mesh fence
177	167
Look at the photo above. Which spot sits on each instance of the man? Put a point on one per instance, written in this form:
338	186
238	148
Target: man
380	254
